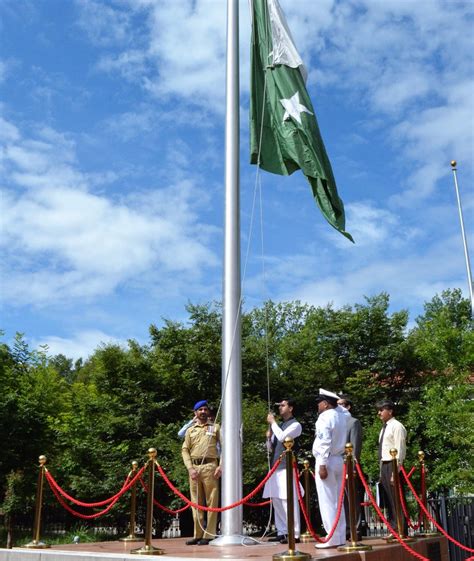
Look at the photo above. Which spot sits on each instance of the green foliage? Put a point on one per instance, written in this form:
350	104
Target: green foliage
442	419
93	417
441	424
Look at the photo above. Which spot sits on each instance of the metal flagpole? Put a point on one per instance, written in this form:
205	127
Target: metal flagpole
463	233
231	520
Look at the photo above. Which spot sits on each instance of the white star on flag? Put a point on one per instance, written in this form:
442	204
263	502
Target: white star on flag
293	108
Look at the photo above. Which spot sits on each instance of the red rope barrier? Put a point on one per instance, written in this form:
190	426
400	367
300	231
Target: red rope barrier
425	510
63	503
410	473
411	524
168	510
340	502
384	520
125	487
222	508
264	503
406	513
159	505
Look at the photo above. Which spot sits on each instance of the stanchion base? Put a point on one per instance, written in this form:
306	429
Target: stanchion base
355	546
306	537
131	538
291	555
427	535
37	545
406	539
147	550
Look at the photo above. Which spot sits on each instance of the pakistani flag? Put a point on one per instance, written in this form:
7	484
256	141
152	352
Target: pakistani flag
284	133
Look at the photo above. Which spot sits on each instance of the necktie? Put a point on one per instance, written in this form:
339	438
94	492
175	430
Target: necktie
381	441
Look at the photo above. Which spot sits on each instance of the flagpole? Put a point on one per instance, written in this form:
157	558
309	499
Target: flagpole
231	520
463	233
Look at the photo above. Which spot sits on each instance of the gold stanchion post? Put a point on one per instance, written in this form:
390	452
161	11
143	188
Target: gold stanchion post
133	507
36	543
425	531
396	499
148	548
354	545
291	553
306	535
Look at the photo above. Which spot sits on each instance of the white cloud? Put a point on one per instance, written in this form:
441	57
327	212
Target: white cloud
74	243
80	345
433	138
131	64
369	225
182	62
8	131
409	279
104	24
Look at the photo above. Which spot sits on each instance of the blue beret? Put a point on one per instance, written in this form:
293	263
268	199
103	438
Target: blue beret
200	404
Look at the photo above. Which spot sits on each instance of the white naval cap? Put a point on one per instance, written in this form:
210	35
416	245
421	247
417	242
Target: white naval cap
327	393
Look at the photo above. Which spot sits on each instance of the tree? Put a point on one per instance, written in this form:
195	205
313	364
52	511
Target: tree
441	421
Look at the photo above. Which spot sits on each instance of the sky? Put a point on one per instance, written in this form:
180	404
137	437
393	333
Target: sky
112	168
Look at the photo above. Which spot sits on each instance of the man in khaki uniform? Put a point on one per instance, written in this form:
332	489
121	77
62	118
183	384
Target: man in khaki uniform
200	456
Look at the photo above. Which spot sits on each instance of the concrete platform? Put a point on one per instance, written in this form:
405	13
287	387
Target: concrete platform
175	549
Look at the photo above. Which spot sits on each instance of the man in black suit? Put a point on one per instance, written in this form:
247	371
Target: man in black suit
354	436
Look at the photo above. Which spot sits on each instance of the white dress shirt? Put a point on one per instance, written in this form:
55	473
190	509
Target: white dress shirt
395	436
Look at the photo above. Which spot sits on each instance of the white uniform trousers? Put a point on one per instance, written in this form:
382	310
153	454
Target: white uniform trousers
329	490
280	506
275	489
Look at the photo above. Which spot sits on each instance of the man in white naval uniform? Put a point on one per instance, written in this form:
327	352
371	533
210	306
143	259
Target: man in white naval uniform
328	449
275	487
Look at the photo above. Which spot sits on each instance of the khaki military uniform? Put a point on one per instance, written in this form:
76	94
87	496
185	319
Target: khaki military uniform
200	452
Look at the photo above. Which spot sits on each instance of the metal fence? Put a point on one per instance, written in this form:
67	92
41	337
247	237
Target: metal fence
454	514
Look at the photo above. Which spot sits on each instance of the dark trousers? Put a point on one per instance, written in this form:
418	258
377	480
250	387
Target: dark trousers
389	500
360	518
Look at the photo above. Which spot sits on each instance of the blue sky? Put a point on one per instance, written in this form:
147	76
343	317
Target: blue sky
112	132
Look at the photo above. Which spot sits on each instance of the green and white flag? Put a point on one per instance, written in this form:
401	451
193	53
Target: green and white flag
284	133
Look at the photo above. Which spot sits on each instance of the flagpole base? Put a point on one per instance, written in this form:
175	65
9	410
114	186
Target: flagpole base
235	539
147	550
131	538
291	555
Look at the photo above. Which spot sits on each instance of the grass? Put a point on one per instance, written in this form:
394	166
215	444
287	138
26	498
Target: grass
80	532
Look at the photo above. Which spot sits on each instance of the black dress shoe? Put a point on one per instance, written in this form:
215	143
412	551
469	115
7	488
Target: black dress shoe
284	539
203	541
194	541
276	538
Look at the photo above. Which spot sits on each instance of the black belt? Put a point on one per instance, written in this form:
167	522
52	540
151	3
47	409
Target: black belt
199	461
